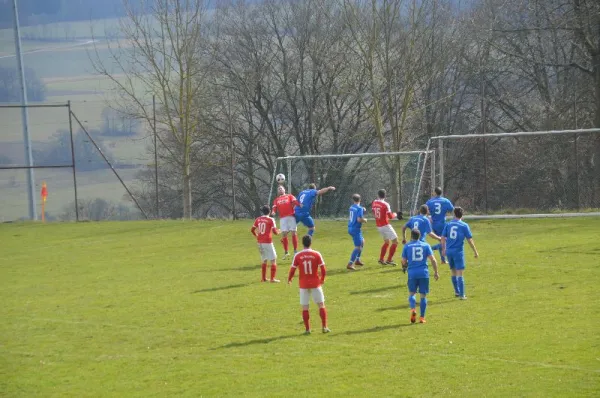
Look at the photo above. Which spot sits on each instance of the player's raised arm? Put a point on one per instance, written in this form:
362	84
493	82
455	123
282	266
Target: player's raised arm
472	244
325	190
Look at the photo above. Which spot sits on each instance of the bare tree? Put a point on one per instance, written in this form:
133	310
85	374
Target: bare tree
163	55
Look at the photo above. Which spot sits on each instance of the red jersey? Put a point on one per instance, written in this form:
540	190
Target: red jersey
308	262
263	228
382	212
284	204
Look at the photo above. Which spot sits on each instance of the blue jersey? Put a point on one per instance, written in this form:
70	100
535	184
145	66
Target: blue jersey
356	211
416	253
438	207
455	232
307	198
421	223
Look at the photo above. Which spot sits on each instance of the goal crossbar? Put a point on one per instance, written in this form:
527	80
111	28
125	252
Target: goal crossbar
516	134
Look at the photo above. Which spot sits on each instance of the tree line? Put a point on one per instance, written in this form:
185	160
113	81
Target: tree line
240	85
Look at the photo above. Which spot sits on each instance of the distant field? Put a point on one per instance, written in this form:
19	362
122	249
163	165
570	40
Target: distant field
175	308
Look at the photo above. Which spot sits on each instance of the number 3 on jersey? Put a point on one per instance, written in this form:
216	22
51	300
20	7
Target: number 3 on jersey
417	253
438	208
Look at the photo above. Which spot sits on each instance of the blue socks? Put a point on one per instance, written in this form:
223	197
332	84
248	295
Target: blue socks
412	302
423	306
461	285
311	232
355	255
455	284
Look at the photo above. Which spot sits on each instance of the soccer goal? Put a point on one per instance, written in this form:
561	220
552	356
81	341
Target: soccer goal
399	173
525	174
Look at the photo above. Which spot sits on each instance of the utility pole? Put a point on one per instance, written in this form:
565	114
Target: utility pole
25	118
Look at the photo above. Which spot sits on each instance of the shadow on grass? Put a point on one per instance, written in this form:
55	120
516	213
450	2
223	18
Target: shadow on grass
370	330
378	290
429	304
258	341
216	289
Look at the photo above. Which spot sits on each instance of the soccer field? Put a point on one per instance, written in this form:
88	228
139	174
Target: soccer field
175	308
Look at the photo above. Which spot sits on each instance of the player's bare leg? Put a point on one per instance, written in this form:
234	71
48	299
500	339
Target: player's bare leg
305	318
323	315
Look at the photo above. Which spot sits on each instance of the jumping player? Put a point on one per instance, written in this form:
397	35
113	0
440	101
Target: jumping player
284	204
382	213
414	256
262	229
307	198
309	262
439	206
453	242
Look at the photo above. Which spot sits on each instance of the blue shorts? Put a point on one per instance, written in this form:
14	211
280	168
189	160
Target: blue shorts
456	260
305	219
420	285
438	228
357	237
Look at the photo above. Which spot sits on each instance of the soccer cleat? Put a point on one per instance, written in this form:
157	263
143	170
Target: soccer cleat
351	267
286	255
275	280
456	295
390	262
463	297
413	316
422	320
326	330
381	262
264	280
307	331
359	263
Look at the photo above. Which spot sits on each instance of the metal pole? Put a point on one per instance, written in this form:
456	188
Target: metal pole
157	210
576	172
289	170
234	216
433	171
441	153
73	161
25	118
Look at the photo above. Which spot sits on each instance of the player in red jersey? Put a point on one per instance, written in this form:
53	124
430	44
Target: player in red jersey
309	261
382	213
262	229
284	204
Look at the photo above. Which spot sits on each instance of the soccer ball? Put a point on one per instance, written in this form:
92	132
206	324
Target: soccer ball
280	178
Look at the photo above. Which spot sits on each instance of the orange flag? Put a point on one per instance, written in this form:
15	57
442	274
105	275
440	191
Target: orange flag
44	191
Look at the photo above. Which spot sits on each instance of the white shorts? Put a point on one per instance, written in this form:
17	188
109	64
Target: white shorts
288	223
387	232
267	251
316	293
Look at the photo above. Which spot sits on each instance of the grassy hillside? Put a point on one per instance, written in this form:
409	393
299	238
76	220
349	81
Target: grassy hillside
176	309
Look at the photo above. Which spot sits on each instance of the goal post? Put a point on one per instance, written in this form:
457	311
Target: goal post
400	173
522	174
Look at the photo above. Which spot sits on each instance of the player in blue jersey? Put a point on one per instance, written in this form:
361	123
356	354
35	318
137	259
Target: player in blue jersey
422	223
307	198
439	206
357	218
453	241
414	256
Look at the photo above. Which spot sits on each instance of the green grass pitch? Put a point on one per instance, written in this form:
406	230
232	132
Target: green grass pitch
175	308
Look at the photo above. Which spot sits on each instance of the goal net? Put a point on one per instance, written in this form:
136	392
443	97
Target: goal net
399	173
533	174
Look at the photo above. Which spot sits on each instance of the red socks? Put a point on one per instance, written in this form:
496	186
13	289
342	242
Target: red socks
305	319
323	314
383	251
392	251
284	240
264	271
273	270
295	242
